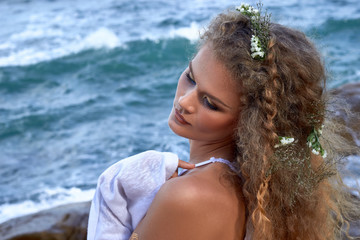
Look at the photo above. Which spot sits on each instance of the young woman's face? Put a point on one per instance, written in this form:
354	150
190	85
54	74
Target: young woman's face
206	104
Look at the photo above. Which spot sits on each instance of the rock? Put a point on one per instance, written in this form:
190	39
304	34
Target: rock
354	230
67	222
350	94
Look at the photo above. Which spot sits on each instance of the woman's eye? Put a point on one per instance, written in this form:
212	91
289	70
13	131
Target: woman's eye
190	79
209	104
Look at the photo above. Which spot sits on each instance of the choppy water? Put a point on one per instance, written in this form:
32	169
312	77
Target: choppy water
86	83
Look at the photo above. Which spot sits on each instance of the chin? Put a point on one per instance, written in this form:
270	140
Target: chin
173	125
177	128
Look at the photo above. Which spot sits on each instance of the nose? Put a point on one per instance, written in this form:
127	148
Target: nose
187	101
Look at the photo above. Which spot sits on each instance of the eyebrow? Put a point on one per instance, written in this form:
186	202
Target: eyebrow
208	94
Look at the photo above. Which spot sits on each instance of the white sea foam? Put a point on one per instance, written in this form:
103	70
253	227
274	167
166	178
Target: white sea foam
32	33
7	45
49	198
101	38
60	45
192	32
357	74
56	48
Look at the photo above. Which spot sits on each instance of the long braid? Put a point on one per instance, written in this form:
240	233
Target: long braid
269	107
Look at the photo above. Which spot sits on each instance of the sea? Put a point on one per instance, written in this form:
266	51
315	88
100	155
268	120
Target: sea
86	83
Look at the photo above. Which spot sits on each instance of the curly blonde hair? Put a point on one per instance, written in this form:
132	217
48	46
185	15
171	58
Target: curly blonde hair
290	192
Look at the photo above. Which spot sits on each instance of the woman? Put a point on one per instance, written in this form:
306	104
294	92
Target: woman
253	95
235	107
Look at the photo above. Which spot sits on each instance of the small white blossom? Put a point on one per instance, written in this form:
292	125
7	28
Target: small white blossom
256	50
243	7
240	9
254	39
246	8
256	54
324	155
314	151
284	141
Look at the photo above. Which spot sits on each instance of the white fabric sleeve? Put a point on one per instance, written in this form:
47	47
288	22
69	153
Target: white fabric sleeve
125	191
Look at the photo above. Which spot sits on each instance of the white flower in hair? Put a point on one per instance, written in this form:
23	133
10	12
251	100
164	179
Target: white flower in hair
284	141
314	151
255	55
246	8
320	130
260	28
314	143
256	49
241	8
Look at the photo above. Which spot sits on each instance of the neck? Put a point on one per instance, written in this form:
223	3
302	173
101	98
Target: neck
202	151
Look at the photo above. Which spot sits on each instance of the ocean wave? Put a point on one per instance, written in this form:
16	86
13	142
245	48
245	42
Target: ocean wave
101	38
59	47
49	198
332	25
191	32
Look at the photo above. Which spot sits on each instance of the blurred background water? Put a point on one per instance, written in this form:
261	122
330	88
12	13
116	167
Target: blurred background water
85	83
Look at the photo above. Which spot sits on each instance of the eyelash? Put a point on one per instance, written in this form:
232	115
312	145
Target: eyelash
205	99
192	81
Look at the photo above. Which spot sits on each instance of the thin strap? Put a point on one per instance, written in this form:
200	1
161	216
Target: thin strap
212	160
227	162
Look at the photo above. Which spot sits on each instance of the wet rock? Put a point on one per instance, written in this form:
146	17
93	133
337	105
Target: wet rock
350	95
67	222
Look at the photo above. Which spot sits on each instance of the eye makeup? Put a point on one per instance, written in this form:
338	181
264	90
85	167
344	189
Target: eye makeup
207	99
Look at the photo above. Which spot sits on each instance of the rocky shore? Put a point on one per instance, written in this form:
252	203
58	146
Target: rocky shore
70	221
67	222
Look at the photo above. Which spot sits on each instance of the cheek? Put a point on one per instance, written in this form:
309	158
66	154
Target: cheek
211	123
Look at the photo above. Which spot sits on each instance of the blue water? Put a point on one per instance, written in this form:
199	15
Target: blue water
86	83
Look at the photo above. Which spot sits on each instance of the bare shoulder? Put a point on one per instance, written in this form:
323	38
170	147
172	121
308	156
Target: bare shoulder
191	207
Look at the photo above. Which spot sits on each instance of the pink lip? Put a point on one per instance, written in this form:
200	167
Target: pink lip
180	118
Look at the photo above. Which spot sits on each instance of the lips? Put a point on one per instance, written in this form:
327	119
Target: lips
180	118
